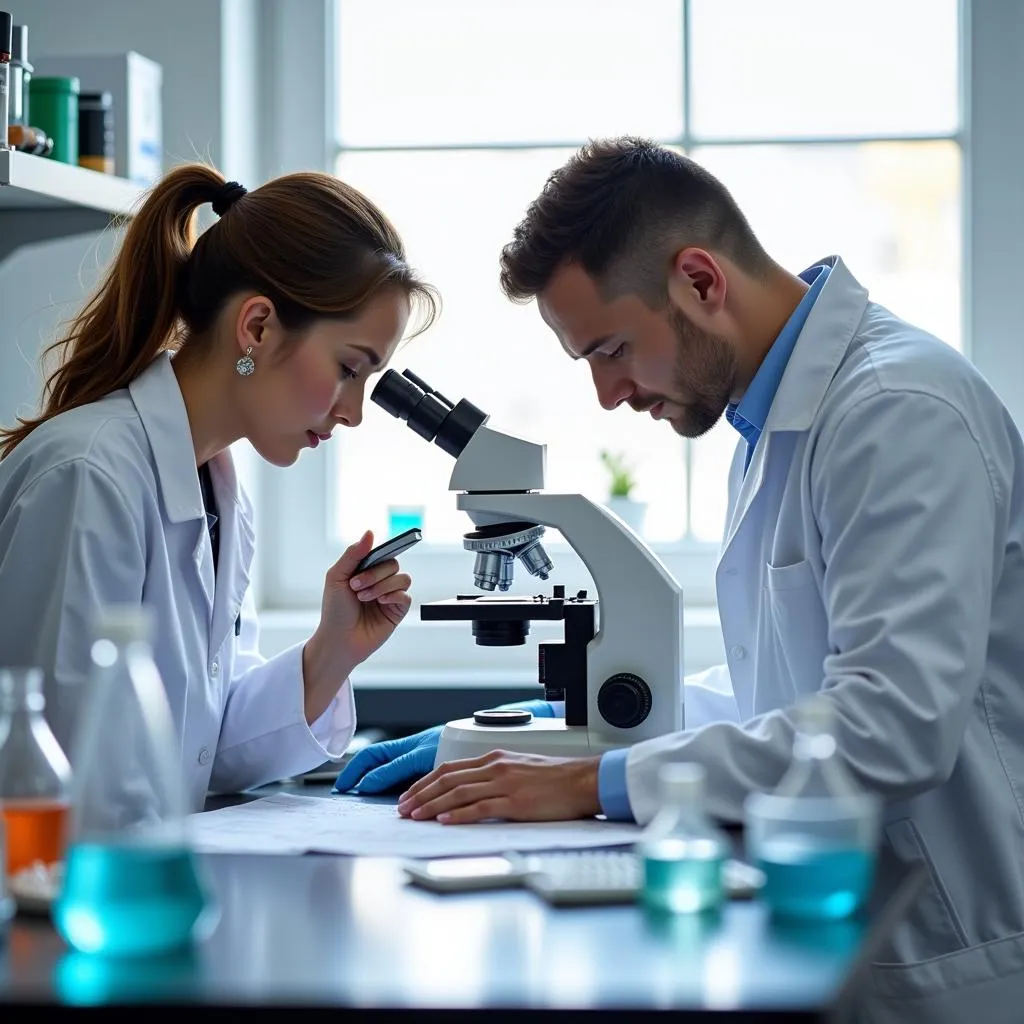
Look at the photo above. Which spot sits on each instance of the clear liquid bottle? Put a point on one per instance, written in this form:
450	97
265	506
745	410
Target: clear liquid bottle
131	884
682	851
34	774
816	836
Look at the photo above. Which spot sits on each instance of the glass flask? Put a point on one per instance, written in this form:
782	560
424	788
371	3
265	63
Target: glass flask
682	851
131	884
34	774
816	836
6	900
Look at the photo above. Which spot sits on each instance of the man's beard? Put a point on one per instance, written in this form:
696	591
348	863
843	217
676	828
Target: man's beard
703	377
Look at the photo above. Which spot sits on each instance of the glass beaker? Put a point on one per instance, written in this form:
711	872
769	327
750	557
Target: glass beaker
404	517
816	837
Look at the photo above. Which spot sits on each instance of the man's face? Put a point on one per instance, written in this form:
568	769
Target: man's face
657	361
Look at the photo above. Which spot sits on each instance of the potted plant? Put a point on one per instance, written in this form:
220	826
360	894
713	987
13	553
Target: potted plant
620	491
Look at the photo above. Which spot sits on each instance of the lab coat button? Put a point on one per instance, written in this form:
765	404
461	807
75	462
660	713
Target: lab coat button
204	756
739	652
731	571
215	668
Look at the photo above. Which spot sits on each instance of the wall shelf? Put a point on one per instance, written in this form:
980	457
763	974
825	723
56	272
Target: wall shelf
38	183
43	199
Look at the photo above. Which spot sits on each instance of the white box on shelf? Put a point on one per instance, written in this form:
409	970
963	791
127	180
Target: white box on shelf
135	84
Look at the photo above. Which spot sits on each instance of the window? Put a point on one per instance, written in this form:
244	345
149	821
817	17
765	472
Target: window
451	115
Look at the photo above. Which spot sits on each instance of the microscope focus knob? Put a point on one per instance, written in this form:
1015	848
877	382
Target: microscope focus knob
624	700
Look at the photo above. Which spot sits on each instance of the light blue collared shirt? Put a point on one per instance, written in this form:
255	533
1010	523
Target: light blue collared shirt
748	416
751	413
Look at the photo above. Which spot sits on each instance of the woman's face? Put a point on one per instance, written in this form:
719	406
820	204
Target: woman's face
304	387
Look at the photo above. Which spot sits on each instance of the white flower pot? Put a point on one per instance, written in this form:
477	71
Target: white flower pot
630	512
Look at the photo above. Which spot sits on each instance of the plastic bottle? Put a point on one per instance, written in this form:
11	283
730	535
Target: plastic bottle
34	774
681	851
816	836
54	103
131	885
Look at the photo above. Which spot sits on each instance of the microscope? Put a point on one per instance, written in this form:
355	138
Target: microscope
619	667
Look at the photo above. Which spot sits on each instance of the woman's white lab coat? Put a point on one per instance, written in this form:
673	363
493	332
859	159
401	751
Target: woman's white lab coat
102	504
875	548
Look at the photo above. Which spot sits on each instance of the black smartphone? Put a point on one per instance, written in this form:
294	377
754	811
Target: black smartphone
390	549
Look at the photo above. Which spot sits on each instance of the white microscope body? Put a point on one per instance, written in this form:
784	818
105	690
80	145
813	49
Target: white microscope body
621	671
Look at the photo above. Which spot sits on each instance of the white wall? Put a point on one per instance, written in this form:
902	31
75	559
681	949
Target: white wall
184	37
209	53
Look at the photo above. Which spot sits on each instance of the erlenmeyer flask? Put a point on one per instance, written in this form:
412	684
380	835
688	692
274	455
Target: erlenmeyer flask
131	886
34	773
682	850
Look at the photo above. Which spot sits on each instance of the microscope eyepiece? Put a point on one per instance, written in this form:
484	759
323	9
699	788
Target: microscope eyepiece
428	412
397	394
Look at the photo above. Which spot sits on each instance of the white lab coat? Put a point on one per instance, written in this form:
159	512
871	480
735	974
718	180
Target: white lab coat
875	549
102	504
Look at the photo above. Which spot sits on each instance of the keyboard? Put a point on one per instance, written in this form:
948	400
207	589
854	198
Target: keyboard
610	876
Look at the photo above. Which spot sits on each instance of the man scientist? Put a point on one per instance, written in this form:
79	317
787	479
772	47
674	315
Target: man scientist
874	552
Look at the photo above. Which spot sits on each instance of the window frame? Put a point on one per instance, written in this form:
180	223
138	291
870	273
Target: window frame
295	511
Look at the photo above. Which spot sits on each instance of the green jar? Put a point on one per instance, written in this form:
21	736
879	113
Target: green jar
54	103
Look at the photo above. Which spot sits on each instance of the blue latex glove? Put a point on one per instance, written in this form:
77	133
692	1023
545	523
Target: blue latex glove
393	763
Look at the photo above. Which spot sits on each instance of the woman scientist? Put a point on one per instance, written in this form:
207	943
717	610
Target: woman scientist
123	489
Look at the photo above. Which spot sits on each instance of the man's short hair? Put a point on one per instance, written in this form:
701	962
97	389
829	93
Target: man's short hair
622	209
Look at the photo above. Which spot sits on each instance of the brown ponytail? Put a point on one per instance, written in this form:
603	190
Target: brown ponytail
313	245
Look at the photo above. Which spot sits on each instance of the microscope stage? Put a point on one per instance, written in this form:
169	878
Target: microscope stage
495	608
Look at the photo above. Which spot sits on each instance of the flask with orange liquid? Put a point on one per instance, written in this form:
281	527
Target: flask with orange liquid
34	774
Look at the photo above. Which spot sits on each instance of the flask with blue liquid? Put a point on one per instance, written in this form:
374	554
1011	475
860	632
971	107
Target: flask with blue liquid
131	885
682	852
816	836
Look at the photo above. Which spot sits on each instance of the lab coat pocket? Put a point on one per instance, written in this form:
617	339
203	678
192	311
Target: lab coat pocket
983	983
798	628
933	914
927	971
788	577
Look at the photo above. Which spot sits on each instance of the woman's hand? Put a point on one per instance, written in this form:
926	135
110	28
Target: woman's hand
361	612
357	614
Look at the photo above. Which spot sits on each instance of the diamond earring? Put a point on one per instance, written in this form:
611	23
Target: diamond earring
245	366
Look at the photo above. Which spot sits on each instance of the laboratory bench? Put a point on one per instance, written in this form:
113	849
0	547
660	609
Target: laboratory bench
316	934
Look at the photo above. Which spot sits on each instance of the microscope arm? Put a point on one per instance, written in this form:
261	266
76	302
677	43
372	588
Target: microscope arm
640	604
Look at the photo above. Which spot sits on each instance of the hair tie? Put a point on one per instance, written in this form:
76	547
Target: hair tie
227	195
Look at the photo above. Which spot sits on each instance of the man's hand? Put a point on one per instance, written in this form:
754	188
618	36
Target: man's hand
516	787
400	762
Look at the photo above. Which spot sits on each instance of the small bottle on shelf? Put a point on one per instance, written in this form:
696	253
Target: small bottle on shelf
6	43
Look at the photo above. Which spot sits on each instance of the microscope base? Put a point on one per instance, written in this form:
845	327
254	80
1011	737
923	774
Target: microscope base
551	736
